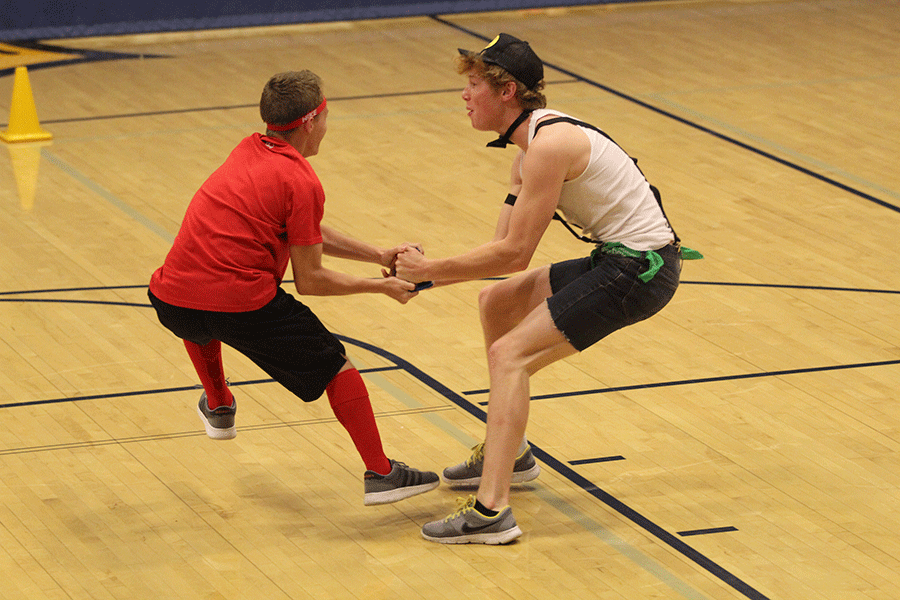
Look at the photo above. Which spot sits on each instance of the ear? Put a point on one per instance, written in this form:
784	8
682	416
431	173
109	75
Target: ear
509	91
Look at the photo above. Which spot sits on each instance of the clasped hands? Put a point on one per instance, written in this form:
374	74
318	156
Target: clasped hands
407	261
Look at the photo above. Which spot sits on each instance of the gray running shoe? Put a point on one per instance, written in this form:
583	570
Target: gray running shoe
402	482
219	423
468	473
468	526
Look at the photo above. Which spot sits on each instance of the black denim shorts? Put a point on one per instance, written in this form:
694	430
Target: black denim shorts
589	302
284	338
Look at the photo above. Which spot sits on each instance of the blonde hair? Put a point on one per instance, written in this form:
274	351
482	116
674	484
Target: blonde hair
288	96
497	77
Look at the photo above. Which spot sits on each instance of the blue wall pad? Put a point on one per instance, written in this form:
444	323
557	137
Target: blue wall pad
53	19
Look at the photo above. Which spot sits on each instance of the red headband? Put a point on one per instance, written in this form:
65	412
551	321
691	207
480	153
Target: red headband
300	121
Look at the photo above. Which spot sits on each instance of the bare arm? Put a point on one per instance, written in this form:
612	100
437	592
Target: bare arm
340	245
313	279
545	166
515	188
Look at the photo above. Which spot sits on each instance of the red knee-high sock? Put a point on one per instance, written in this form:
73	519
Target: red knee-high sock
208	364
349	400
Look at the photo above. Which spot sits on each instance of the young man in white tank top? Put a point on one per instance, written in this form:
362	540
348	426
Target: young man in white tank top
545	314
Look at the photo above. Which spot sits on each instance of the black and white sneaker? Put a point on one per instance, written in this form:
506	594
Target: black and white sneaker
468	526
219	423
468	473
402	482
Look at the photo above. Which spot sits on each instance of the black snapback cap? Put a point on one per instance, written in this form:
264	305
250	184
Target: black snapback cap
513	55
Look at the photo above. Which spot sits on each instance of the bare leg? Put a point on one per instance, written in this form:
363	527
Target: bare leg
505	304
531	344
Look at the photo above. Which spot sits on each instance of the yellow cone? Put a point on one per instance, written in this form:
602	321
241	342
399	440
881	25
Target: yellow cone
23	120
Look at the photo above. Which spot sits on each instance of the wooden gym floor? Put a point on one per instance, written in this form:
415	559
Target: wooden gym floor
744	443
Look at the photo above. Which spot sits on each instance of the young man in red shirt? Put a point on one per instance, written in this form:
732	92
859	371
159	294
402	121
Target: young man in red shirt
221	281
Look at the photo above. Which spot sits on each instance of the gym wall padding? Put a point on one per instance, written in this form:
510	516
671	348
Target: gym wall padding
54	19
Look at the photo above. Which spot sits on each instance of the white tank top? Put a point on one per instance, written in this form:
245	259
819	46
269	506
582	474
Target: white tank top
611	201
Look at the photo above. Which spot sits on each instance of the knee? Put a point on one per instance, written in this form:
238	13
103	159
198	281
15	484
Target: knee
503	354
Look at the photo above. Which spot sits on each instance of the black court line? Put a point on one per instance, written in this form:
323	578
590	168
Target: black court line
684	282
200	109
179	111
78	289
707	531
66	301
591	461
789	286
84	56
693	124
151	392
701	380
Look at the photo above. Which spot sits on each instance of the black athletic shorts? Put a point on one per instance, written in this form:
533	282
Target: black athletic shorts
284	338
591	301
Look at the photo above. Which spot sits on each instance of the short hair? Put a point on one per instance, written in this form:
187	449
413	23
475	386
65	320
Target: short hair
497	77
288	96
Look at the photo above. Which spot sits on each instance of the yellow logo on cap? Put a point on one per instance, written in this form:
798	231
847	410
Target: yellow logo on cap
493	41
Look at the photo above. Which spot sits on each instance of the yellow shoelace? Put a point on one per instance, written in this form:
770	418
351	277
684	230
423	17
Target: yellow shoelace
477	454
463	505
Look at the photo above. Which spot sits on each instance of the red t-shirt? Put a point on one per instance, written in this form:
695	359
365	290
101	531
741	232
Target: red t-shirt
233	247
